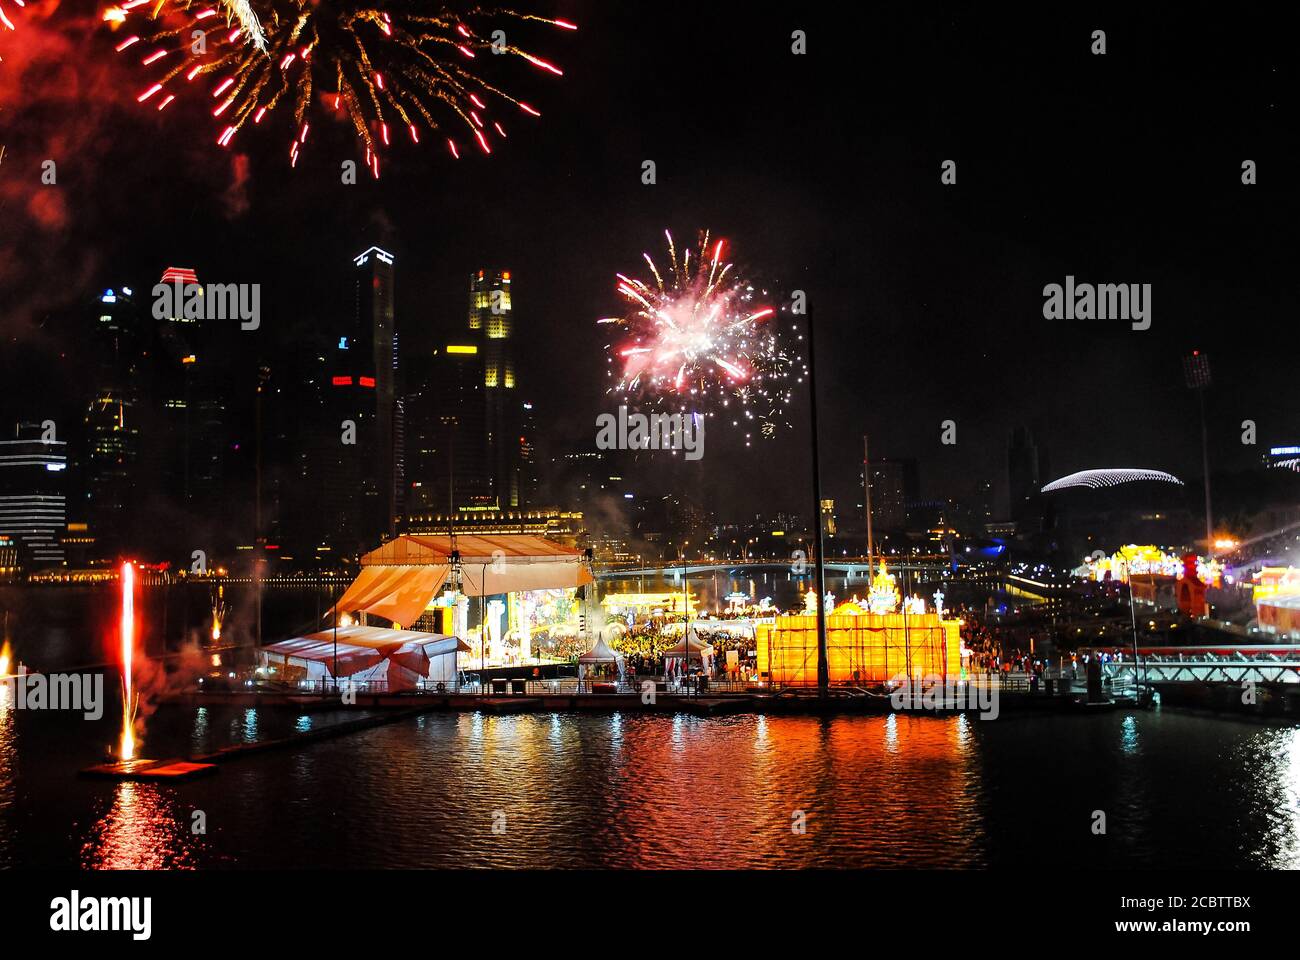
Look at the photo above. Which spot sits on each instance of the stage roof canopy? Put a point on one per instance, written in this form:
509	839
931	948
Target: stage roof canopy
398	579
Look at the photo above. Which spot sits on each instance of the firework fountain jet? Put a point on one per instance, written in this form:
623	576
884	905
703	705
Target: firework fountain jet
130	698
128	765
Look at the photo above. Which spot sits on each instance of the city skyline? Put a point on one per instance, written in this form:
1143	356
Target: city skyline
627	436
919	329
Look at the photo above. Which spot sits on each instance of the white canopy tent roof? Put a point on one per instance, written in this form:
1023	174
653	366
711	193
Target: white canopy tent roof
400	578
600	653
361	648
697	648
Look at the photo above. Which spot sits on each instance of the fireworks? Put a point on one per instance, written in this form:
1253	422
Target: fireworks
406	67
4	18
698	331
242	11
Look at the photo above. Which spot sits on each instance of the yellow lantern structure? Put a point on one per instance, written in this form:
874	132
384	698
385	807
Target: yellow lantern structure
862	646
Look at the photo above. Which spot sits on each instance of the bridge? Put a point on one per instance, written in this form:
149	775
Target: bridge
850	568
1256	663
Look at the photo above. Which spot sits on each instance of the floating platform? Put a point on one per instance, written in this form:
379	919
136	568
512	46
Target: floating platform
143	769
510	704
716	706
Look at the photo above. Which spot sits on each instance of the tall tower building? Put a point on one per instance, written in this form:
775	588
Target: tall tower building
449	464
1024	479
374	345
33	501
530	481
112	422
491	314
192	383
894	485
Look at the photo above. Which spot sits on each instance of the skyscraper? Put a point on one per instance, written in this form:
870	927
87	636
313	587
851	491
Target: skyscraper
530	480
33	499
111	421
192	384
894	485
1024	478
491	314
447	440
374	340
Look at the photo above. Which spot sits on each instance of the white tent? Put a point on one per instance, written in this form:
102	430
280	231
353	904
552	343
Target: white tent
691	648
400	658
600	653
399	579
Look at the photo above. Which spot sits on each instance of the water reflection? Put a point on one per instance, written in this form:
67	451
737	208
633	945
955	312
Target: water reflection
142	830
199	738
638	790
1271	792
8	762
1129	735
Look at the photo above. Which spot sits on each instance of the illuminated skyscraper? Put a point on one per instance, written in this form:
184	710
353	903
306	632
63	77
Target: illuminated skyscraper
33	500
193	383
447	463
112	427
894	483
374	346
491	314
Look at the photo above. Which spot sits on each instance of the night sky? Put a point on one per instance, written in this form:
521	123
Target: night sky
822	171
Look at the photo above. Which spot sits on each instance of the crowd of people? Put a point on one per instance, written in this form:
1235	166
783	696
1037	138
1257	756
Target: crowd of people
997	649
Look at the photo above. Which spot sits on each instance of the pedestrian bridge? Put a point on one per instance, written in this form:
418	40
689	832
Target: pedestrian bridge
1259	663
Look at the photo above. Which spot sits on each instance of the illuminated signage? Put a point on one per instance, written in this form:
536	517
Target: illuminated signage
383	256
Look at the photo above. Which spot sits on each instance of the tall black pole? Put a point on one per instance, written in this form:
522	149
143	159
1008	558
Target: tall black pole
823	672
259	543
1205	469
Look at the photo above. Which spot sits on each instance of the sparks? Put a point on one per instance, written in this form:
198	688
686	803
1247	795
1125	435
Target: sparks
404	63
9	24
697	333
241	10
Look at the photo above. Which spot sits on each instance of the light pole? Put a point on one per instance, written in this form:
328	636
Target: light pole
1196	372
866	486
823	671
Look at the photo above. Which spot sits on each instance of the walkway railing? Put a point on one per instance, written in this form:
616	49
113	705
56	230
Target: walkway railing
1014	682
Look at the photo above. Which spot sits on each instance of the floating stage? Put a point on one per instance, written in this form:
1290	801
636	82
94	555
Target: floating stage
156	770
